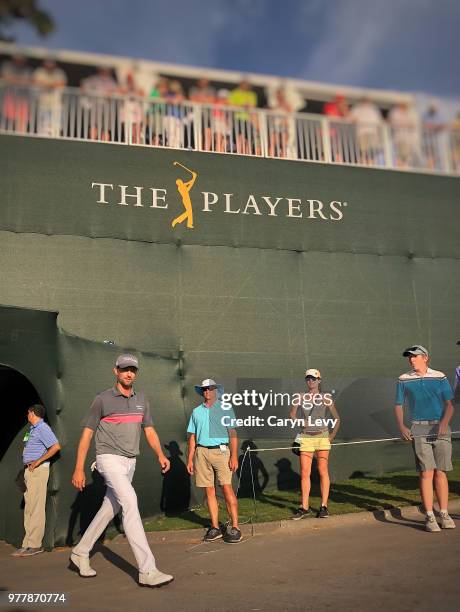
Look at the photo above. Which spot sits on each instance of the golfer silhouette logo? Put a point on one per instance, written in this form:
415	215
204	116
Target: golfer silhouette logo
184	189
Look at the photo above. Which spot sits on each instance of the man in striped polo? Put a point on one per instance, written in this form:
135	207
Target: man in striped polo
428	395
116	417
41	445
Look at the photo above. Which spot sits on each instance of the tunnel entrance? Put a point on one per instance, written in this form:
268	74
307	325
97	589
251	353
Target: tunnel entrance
17	394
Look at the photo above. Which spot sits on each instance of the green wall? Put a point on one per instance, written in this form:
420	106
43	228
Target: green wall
239	296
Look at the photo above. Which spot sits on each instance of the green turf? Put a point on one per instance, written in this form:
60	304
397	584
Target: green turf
393	490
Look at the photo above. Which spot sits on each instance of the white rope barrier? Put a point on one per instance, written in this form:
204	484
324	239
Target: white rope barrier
398	439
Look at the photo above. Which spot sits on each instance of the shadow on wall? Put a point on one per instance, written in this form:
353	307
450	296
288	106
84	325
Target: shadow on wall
176	489
252	473
85	508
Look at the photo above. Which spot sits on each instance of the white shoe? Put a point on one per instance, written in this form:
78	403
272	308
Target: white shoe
82	564
154	578
431	524
446	521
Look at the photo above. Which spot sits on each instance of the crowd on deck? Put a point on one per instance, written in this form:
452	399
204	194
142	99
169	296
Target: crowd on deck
162	115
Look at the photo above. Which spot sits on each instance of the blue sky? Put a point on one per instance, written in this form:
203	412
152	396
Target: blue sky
410	45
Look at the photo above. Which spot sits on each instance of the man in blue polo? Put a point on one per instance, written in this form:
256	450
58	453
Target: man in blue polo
41	445
213	454
428	395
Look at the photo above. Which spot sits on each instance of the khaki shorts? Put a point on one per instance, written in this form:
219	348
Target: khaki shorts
211	463
431	452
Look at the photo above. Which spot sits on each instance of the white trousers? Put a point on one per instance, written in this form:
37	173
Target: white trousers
118	473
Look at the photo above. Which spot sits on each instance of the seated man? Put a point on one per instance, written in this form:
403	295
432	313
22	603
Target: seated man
213	452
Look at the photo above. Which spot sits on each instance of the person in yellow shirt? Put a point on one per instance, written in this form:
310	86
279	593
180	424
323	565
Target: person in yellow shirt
244	127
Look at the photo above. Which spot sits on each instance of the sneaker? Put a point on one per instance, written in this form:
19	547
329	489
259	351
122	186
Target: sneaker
83	567
446	521
29	552
323	512
301	513
19	552
154	578
431	524
212	534
232	535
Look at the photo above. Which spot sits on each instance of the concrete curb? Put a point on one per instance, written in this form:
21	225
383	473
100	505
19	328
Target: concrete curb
195	536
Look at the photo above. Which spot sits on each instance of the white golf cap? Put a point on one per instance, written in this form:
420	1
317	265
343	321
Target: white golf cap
417	349
313	372
207	383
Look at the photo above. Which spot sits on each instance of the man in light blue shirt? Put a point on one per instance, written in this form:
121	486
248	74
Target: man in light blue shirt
41	445
428	394
213	453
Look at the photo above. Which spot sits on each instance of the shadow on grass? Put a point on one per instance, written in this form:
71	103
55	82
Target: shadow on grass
192	517
365	498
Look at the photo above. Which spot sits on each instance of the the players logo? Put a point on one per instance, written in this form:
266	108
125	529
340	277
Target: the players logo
184	189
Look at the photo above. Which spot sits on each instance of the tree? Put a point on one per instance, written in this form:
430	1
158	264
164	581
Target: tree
11	10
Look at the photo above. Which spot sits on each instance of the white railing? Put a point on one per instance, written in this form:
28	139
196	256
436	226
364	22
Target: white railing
71	113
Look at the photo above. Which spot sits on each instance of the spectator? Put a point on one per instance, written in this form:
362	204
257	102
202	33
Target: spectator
41	445
157	112
213	455
337	107
280	126
204	93
132	111
220	123
174	115
456	143
433	137
433	119
246	98
368	121
160	88
100	87
339	132
16	71
16	100
428	396
50	79
404	124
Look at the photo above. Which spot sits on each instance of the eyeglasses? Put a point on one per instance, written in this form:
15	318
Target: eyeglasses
311	377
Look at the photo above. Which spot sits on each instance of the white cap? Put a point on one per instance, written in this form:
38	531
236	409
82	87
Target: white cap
207	383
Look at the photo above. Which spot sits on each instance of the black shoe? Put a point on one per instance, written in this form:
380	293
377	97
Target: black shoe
212	534
301	513
232	535
323	512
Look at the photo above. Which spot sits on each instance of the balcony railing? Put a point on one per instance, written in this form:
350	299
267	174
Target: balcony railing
131	120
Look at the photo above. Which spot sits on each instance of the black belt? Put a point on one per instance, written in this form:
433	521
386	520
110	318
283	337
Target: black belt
217	446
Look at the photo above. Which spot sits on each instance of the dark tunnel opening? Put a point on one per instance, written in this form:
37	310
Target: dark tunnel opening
17	395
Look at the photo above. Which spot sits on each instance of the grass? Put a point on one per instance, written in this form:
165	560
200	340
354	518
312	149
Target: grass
371	493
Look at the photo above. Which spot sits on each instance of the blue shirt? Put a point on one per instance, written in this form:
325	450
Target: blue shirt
206	424
41	438
425	395
457	384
